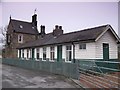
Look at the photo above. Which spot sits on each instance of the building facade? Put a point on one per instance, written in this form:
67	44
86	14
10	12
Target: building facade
94	43
24	41
19	32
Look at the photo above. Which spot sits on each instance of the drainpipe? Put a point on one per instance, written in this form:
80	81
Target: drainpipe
73	52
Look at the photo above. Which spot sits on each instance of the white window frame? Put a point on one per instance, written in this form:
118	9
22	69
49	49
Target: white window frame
52	52
30	53
82	46
44	51
67	53
20	36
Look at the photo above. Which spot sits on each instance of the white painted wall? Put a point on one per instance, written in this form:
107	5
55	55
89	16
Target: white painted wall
25	53
107	38
48	52
18	53
29	53
41	53
55	52
88	53
35	53
63	51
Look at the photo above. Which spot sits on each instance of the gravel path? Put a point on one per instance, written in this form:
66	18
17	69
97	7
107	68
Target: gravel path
15	77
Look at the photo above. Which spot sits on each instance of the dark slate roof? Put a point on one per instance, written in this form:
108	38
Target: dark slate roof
83	35
24	27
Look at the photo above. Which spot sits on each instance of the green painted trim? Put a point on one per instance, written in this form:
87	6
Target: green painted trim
59	53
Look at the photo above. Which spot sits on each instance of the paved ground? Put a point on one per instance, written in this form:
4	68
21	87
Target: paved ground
14	77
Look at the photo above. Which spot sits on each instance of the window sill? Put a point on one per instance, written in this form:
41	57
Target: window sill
20	42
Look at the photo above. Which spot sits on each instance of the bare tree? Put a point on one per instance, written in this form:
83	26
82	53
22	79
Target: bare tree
3	31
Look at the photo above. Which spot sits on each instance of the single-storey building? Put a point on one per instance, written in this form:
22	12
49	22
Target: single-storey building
93	43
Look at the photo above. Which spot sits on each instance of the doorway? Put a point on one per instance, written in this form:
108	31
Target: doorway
105	51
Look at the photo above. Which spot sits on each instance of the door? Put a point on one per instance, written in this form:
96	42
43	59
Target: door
105	51
59	53
32	53
19	53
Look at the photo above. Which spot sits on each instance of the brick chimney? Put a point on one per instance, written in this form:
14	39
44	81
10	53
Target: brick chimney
34	19
58	30
42	27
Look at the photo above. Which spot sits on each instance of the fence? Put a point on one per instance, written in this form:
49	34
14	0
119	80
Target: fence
90	73
99	73
62	68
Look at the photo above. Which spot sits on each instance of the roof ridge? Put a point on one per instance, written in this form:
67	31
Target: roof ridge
21	21
81	30
86	29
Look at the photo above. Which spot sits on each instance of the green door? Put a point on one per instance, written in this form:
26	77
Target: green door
105	51
59	53
32	53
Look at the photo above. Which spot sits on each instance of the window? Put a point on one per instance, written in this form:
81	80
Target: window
33	27
19	53
52	53
23	53
44	53
68	53
82	46
20	38
27	53
30	53
21	26
8	38
37	53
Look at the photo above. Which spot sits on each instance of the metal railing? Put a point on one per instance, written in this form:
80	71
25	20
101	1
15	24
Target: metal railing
99	73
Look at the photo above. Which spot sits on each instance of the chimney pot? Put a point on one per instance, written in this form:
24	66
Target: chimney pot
60	27
57	31
56	26
34	19
42	30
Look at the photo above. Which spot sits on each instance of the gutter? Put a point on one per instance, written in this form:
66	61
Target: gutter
75	42
73	52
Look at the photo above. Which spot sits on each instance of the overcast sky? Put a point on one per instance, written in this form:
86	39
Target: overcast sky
72	16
